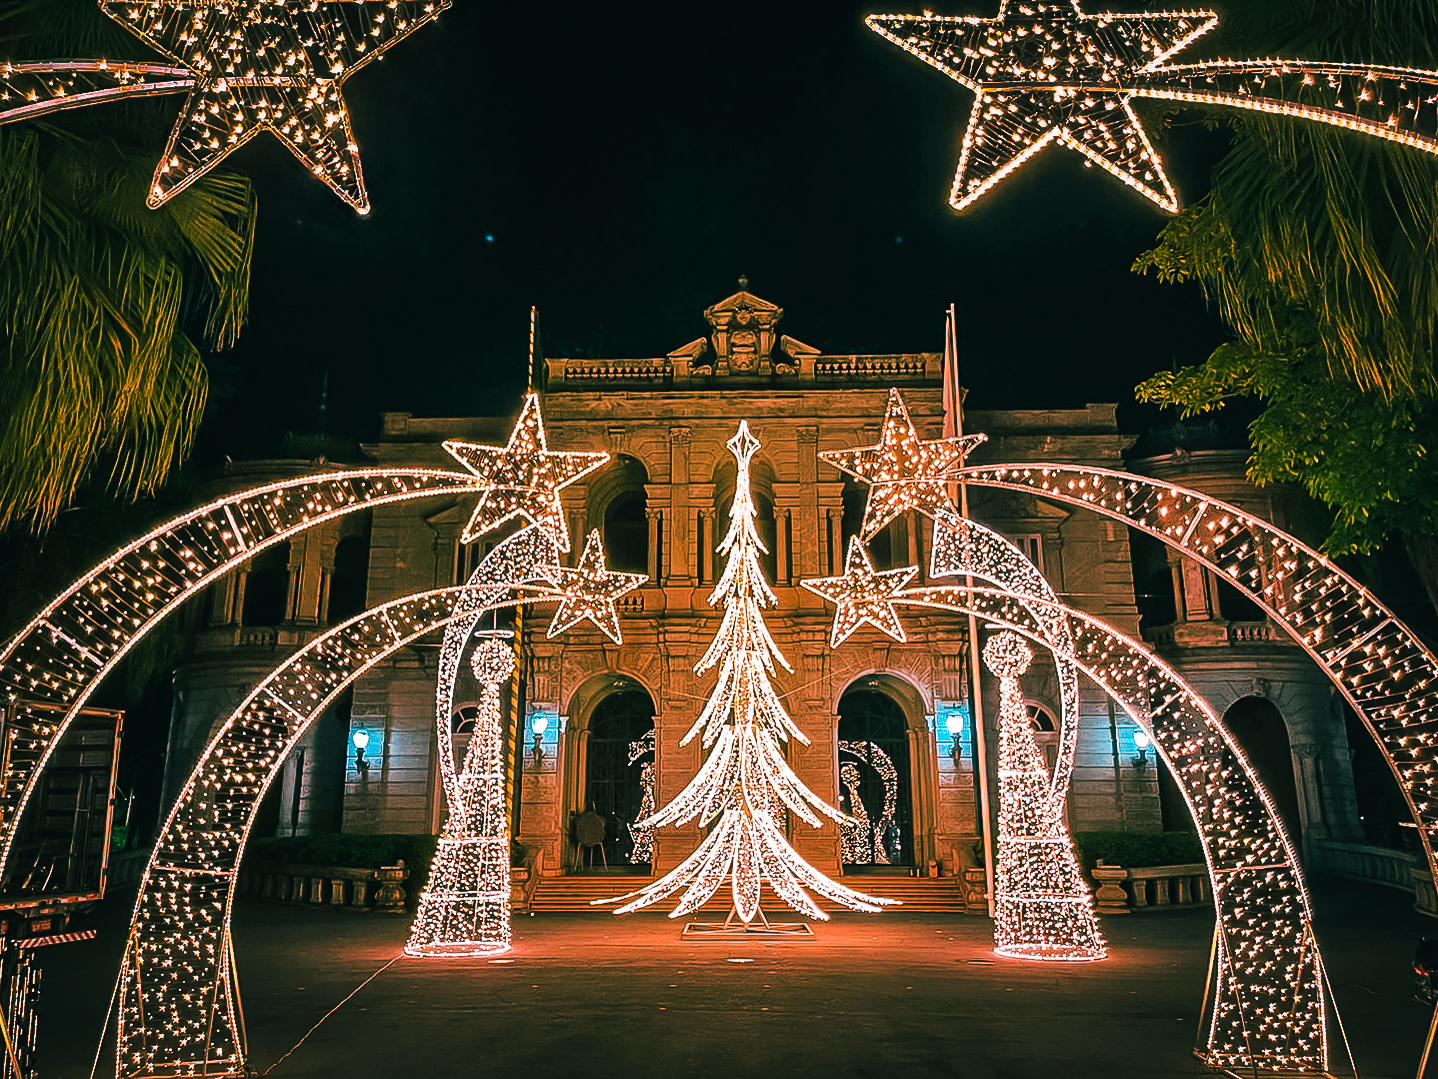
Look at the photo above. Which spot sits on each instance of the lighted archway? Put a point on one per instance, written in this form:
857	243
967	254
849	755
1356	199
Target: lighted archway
177	998
1268	998
1377	663
60	657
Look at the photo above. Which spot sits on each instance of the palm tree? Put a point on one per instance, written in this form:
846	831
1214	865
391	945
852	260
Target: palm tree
105	306
1320	250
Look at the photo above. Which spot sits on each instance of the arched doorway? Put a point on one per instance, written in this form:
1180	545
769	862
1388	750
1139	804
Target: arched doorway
619	775
1257	726
875	781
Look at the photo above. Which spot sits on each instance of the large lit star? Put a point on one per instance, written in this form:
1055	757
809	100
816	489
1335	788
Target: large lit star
268	65
862	595
904	472
523	479
589	591
1046	72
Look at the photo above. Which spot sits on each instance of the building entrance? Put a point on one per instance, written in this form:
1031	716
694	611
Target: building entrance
619	784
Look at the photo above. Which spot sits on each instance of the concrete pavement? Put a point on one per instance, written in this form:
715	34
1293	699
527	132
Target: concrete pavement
895	994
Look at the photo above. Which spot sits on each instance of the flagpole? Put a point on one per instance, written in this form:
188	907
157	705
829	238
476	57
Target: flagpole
954	391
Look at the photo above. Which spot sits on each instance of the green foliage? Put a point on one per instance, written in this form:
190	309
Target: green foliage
105	305
1319	248
1134	851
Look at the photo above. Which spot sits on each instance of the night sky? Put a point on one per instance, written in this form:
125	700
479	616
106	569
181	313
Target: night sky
621	166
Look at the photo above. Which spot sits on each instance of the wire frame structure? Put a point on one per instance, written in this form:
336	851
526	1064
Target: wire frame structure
1268	995
1044	72
61	656
178	1001
1378	664
1043	909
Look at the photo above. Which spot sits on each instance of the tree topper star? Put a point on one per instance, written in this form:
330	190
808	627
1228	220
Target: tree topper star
273	65
589	591
904	472
862	595
1045	72
523	479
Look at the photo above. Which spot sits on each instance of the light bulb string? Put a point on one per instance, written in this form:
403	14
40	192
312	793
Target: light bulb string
337	1007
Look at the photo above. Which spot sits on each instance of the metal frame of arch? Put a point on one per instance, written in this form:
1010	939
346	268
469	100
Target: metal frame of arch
1374	660
178	1013
1269	999
61	656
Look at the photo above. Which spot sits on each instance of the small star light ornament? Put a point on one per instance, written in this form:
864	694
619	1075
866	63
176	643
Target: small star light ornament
248	66
589	590
903	471
862	595
523	479
1044	72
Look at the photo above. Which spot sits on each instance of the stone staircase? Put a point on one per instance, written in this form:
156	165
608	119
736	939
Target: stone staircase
920	895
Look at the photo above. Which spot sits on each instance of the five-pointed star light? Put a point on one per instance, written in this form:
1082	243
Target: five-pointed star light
862	595
523	479
904	472
1046	72
273	65
589	591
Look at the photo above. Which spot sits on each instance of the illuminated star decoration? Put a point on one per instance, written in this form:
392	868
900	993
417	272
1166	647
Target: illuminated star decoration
268	65
589	591
862	595
1045	72
524	478
904	472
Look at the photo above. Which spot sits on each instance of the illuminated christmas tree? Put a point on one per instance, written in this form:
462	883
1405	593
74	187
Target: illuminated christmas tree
745	784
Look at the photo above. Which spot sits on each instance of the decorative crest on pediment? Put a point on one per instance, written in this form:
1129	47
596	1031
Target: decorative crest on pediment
744	333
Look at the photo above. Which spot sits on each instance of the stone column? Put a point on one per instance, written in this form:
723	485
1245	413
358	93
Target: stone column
706	540
656	521
681	545
781	546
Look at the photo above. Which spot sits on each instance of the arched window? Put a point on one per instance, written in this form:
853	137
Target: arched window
626	532
267	587
874	781
349	580
620	774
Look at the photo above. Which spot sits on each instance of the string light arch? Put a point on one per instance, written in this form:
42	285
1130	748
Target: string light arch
65	651
1268	991
177	993
1382	669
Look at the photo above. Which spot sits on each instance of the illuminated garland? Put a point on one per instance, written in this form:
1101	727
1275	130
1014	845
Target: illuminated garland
641	833
1044	72
249	66
1042	908
742	725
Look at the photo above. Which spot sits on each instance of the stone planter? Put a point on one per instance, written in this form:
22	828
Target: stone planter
1110	897
391	894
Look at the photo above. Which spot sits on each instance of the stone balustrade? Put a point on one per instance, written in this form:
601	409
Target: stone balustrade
337	886
1377	865
1159	887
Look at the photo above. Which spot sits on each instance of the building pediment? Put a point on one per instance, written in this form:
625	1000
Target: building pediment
744	334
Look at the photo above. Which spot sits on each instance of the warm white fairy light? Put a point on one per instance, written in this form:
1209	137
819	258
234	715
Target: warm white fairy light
1043	72
61	656
464	909
641	833
1042	910
742	725
590	591
31	90
523	479
904	472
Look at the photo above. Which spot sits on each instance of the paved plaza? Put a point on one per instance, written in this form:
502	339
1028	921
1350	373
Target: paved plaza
869	996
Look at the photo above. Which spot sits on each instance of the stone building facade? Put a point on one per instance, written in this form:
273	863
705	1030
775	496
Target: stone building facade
889	724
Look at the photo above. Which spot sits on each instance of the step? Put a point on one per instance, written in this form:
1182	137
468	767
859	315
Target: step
941	895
